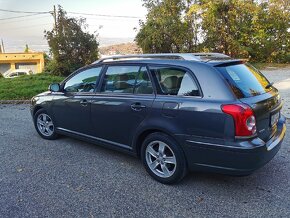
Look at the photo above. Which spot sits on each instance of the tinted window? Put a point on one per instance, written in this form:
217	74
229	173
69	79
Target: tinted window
84	81
143	84
127	79
245	80
174	81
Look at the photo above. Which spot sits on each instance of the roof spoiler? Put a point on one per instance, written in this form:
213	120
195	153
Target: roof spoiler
230	63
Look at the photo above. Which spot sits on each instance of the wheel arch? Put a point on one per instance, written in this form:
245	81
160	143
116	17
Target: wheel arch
36	108
140	137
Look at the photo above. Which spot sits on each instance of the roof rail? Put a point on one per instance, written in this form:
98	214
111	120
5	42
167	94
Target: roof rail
181	56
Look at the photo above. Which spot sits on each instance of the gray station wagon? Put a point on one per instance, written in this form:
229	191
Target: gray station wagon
177	112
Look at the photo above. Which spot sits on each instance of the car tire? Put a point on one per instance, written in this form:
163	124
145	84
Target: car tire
44	125
163	158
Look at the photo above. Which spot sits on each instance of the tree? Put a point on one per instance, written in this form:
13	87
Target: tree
70	45
255	29
26	50
193	21
223	25
164	31
271	37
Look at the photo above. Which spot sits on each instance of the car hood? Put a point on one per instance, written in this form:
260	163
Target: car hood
46	93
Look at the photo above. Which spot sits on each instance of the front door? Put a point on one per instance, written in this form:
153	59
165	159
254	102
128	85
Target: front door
72	107
122	103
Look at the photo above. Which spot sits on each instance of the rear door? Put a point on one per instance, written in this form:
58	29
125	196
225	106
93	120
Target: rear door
252	88
179	104
122	102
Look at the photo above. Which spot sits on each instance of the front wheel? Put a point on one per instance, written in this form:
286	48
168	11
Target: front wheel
163	158
44	125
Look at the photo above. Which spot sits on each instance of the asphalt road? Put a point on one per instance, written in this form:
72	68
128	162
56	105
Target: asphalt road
281	79
70	178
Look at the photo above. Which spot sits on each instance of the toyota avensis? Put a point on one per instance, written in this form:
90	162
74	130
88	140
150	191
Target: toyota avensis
177	112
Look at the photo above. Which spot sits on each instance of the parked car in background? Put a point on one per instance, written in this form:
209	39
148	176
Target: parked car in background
177	112
17	73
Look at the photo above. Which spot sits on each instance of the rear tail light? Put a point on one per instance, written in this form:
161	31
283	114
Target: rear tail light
244	119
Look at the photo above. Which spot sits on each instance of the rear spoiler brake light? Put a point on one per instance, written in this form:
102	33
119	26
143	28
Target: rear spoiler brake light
229	63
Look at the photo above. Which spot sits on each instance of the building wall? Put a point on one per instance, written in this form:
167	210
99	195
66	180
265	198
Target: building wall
33	61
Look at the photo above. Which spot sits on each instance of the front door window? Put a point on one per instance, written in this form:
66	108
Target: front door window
84	81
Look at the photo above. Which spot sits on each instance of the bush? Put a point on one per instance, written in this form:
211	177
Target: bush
71	46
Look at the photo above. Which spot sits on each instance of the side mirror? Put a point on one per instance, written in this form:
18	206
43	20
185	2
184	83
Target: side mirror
54	87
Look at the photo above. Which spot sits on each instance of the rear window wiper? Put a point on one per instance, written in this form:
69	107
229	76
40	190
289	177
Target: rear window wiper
269	85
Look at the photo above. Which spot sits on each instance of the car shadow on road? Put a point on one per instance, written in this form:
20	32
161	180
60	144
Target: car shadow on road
109	153
260	180
263	180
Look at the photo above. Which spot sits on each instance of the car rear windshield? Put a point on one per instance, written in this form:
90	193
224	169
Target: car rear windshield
245	80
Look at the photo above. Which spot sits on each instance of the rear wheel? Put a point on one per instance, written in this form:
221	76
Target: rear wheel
163	158
44	125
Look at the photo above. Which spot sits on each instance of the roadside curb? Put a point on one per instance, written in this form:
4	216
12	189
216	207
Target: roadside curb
15	101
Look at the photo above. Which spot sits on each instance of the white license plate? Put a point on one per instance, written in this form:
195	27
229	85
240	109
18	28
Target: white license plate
275	118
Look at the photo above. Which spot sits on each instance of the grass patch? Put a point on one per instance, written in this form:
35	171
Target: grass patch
263	66
24	87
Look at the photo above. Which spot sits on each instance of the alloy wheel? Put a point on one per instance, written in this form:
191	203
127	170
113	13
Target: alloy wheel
45	124
160	159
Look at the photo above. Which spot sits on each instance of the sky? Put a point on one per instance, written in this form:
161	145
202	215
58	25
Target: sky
18	32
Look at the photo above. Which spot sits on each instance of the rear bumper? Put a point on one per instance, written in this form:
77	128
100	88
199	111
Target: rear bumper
235	158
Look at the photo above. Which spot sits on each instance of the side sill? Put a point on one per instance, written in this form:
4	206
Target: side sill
115	144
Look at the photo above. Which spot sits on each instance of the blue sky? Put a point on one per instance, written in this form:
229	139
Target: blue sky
18	32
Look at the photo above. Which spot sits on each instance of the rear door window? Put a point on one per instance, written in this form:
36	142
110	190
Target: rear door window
244	80
174	81
143	84
127	80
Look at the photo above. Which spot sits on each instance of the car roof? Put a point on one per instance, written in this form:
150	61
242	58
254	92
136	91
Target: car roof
214	59
178	62
178	56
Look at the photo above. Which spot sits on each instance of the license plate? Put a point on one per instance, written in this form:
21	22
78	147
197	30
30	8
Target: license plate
275	118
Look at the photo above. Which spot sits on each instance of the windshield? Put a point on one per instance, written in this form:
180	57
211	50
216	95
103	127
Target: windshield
245	80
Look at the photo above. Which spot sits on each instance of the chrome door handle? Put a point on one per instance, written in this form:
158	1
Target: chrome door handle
137	106
84	103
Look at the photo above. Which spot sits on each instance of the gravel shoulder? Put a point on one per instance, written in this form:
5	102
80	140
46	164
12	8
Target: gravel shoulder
70	178
281	79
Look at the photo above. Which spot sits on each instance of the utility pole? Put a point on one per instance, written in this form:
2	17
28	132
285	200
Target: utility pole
3	49
54	14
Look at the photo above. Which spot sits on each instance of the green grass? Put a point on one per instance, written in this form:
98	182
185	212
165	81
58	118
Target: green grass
24	87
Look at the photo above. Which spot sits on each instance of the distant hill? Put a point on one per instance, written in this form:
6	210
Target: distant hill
124	48
40	44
